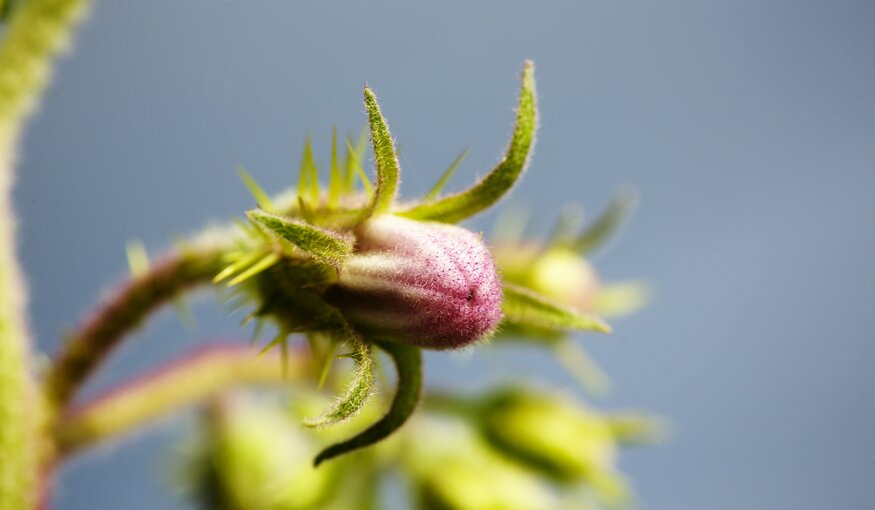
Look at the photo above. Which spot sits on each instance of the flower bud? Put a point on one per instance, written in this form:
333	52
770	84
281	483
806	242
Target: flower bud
453	469
255	456
427	284
557	273
557	436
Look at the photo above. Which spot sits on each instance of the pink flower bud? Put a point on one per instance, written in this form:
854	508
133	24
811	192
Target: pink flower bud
426	284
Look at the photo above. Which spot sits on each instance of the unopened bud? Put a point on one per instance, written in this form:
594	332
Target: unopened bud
557	273
427	284
556	435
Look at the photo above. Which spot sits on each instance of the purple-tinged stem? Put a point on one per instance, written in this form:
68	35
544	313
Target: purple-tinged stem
122	313
191	379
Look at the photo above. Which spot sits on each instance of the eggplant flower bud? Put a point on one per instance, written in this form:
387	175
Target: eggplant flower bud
420	283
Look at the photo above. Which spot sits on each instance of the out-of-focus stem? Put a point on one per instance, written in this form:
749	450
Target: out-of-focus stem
192	379
18	413
123	312
34	34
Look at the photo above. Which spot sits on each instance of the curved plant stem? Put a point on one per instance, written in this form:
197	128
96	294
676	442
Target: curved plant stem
17	396
123	312
189	380
408	363
32	38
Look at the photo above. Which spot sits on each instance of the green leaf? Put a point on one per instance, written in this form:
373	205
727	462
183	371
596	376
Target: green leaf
324	245
258	194
499	180
408	363
356	395
524	307
384	155
448	173
607	224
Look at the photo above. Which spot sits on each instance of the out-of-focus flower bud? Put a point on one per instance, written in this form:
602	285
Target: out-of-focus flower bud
454	470
258	457
557	273
556	436
421	283
566	277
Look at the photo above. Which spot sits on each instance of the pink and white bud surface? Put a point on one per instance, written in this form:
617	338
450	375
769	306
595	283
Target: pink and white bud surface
427	284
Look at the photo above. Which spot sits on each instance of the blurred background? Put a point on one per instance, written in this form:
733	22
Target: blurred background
748	128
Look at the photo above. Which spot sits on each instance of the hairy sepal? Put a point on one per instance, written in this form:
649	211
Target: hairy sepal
325	245
408	363
525	308
385	157
358	392
490	189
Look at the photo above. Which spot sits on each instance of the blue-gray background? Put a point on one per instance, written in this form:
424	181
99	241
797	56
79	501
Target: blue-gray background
747	126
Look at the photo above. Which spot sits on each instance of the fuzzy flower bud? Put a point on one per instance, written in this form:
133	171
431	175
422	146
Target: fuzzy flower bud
426	284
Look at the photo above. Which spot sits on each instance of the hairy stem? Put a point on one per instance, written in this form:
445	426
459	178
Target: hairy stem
32	38
36	32
189	380
123	312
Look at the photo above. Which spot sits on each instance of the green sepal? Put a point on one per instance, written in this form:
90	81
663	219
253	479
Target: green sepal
447	175
523	307
606	225
384	155
306	211
499	180
264	263
261	198
308	179
357	393
238	263
408	363
324	245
